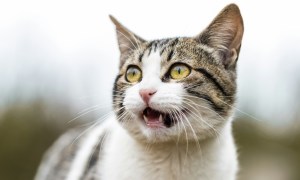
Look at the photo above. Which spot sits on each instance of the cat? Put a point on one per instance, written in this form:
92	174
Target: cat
173	101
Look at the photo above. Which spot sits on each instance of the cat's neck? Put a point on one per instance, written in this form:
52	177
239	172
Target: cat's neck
214	157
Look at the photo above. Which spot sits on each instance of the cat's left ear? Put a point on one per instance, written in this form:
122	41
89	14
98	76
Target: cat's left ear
225	34
127	40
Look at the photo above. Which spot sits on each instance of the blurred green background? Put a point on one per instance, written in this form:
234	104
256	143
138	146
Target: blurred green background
58	59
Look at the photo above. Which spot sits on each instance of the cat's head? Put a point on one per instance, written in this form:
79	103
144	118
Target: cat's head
178	88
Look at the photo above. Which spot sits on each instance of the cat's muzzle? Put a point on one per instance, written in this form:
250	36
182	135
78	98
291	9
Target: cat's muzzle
157	119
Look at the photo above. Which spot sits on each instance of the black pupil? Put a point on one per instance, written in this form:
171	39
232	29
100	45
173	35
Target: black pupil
179	70
133	72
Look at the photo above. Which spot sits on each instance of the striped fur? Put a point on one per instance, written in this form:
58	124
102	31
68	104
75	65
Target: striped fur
195	141
74	155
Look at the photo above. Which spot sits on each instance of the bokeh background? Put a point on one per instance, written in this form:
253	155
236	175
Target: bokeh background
58	60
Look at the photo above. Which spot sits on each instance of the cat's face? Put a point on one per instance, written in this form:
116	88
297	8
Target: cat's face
179	88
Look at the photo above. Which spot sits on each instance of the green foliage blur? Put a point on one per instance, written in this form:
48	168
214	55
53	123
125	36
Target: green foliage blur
27	129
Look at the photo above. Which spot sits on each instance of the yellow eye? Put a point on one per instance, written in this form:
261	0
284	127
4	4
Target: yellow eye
133	74
179	71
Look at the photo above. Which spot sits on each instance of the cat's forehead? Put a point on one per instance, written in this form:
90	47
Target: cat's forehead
169	51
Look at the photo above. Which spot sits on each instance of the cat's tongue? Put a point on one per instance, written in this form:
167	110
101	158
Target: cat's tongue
153	118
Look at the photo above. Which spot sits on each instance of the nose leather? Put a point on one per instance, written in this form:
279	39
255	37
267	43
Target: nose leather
146	94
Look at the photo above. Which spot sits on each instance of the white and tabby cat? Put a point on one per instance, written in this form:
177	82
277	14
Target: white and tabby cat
173	101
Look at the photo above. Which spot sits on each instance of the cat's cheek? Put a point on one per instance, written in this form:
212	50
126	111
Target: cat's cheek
132	100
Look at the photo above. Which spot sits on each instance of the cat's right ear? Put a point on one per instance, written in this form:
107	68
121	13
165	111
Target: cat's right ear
225	34
127	40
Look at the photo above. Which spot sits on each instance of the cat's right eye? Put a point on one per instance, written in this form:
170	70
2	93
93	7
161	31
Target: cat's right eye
133	74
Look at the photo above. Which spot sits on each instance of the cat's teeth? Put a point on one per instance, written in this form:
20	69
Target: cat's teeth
160	118
145	118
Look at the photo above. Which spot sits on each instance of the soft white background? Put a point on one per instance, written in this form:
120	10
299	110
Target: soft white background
67	50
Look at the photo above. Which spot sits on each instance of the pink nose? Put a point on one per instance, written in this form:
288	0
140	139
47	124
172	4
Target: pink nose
146	94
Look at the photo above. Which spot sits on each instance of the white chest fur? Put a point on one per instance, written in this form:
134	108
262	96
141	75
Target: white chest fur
124	158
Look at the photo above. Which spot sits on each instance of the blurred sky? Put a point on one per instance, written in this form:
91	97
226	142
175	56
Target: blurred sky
67	50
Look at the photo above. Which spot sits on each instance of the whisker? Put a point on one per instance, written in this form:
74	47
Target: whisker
249	115
232	106
194	135
202	120
203	106
95	108
96	122
186	135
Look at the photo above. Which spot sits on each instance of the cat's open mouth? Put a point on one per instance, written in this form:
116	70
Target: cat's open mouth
156	119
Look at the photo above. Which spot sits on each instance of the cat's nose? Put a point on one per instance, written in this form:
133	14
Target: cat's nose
146	94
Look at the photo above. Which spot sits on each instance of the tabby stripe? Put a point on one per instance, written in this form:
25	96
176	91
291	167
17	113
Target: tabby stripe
121	110
171	53
174	42
141	57
213	79
94	157
168	45
150	47
163	46
115	85
117	93
57	159
155	46
162	51
150	44
142	54
207	98
83	154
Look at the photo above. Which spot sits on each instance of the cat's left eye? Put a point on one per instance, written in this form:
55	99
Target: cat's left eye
179	71
133	74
